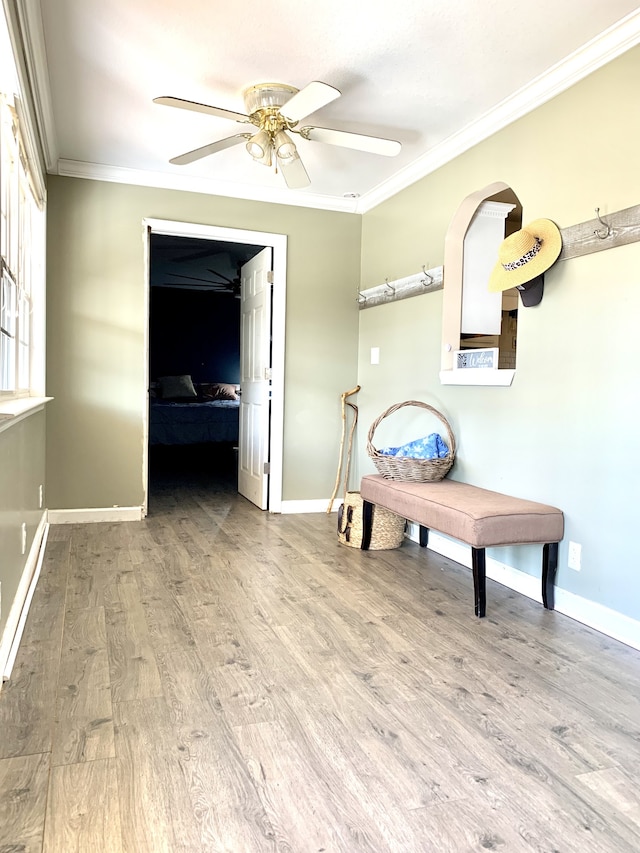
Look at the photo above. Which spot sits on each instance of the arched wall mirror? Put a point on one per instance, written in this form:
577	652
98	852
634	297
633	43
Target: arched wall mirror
473	318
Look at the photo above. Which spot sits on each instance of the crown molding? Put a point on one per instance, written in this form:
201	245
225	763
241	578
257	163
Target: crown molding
164	180
606	47
35	58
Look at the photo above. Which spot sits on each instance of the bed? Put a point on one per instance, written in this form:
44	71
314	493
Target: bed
184	413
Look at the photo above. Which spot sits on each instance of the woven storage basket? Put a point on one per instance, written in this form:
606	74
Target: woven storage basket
387	530
407	467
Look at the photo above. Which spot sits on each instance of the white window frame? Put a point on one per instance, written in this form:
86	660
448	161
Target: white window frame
22	262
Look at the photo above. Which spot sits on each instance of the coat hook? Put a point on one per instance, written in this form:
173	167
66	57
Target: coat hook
391	288
430	277
599	234
361	297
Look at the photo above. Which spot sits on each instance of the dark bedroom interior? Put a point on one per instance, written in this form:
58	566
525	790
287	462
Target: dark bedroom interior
194	361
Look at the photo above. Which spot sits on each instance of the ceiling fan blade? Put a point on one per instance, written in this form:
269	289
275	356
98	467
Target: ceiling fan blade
211	148
201	108
195	256
372	144
314	96
195	278
219	274
187	286
294	173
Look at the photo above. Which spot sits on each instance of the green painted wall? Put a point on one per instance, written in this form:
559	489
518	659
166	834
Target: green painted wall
21	475
96	326
565	432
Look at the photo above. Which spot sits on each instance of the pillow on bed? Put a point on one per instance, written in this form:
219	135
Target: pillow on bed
177	387
218	391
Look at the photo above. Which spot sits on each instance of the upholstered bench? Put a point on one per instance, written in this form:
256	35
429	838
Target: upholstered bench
478	517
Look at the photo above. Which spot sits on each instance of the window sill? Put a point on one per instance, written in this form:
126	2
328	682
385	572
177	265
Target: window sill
17	408
477	376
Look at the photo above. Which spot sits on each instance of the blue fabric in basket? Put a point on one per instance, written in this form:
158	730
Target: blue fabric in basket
430	447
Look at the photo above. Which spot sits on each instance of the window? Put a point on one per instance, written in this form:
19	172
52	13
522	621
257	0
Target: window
22	240
7	333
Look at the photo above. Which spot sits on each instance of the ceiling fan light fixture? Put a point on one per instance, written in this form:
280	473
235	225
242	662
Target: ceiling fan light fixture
284	145
267	159
275	111
259	144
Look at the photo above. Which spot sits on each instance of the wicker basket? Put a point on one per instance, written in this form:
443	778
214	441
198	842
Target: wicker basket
407	467
387	528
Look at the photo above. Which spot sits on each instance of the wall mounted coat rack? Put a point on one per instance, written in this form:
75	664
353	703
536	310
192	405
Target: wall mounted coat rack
606	231
402	288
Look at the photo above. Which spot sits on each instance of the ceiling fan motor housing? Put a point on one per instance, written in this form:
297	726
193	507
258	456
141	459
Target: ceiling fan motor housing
263	103
267	95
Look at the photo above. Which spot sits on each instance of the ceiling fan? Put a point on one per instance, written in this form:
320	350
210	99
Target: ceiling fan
227	285
276	110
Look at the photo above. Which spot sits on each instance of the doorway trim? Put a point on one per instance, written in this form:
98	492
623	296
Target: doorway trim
278	243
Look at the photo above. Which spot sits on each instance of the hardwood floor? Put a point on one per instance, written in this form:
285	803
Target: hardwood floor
219	679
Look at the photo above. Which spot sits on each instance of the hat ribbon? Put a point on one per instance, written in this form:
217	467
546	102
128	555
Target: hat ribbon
533	251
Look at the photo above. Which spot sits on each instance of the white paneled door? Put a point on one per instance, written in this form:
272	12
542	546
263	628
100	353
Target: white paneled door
255	378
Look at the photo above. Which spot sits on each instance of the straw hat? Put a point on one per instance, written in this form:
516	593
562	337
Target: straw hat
526	254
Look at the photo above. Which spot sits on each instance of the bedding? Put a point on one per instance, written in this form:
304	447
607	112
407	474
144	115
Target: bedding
218	391
197	421
177	387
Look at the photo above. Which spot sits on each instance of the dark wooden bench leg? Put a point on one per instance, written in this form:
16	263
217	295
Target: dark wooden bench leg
479	564
549	566
367	524
424	536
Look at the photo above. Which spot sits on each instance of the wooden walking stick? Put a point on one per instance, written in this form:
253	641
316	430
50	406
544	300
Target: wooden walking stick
344	404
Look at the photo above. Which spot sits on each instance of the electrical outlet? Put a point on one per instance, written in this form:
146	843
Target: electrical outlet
24	537
40	496
575	556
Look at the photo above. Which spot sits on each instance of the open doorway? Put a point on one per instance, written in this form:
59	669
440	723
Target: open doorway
194	361
193	350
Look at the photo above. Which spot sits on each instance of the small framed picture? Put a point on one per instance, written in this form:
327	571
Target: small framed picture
468	359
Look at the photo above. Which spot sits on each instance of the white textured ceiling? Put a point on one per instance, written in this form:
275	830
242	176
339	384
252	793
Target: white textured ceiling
419	71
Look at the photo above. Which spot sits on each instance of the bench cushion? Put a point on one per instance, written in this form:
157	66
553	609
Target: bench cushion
473	515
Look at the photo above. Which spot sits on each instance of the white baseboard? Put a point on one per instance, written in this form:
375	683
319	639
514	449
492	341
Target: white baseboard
597	616
291	507
106	513
609	622
135	513
20	606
